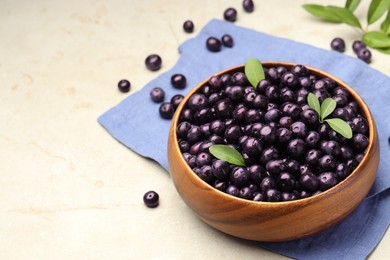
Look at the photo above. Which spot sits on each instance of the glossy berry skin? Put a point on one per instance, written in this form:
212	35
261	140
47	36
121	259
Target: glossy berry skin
230	14
296	148
151	199
221	169
227	40
178	81
176	100
124	85
365	55
273	195
248	6
166	110
358	45
213	44
153	62
157	95
239	176
188	26
338	44
327	180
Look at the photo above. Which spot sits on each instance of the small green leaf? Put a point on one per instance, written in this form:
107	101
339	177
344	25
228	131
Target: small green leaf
327	107
340	126
352	4
345	15
314	103
376	9
321	12
376	39
385	25
254	71
227	153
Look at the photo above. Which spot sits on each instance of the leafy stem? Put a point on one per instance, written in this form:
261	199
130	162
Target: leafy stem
324	110
379	40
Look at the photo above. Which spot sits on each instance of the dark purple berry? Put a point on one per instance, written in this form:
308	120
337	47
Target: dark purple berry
245	193
285	181
188	26
358	45
157	94
360	142
213	44
267	183
232	190
252	146
296	148
327	163
230	14
309	181
338	44
258	196
248	6
206	173
151	199
275	167
220	185
124	85
153	62
364	54
299	129
273	195
176	100
197	102
227	40
221	169
166	110
239	176
327	180
178	81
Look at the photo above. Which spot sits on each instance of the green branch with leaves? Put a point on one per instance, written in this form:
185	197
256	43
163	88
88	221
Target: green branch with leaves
379	40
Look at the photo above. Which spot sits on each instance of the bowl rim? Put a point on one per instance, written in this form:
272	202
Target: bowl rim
308	200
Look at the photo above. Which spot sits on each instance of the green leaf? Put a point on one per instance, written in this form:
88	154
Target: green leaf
227	153
385	25
376	39
352	4
345	15
321	12
314	103
384	50
376	9
340	126
254	71
327	107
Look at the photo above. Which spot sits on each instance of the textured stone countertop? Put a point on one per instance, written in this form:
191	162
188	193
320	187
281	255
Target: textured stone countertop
68	189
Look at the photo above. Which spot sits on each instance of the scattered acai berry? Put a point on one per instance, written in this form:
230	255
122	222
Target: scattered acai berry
151	199
176	100
188	26
124	85
227	40
213	44
166	110
357	45
153	62
178	81
338	44
248	6
364	54
289	154
157	94
230	14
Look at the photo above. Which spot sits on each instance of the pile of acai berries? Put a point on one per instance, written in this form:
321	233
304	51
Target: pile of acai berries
289	154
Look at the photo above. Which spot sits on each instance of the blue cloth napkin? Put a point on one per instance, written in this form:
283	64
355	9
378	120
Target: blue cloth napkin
136	123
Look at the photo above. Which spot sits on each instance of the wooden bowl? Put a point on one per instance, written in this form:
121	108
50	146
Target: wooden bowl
274	221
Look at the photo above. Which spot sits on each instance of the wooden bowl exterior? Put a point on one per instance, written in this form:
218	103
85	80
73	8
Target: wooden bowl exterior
274	221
